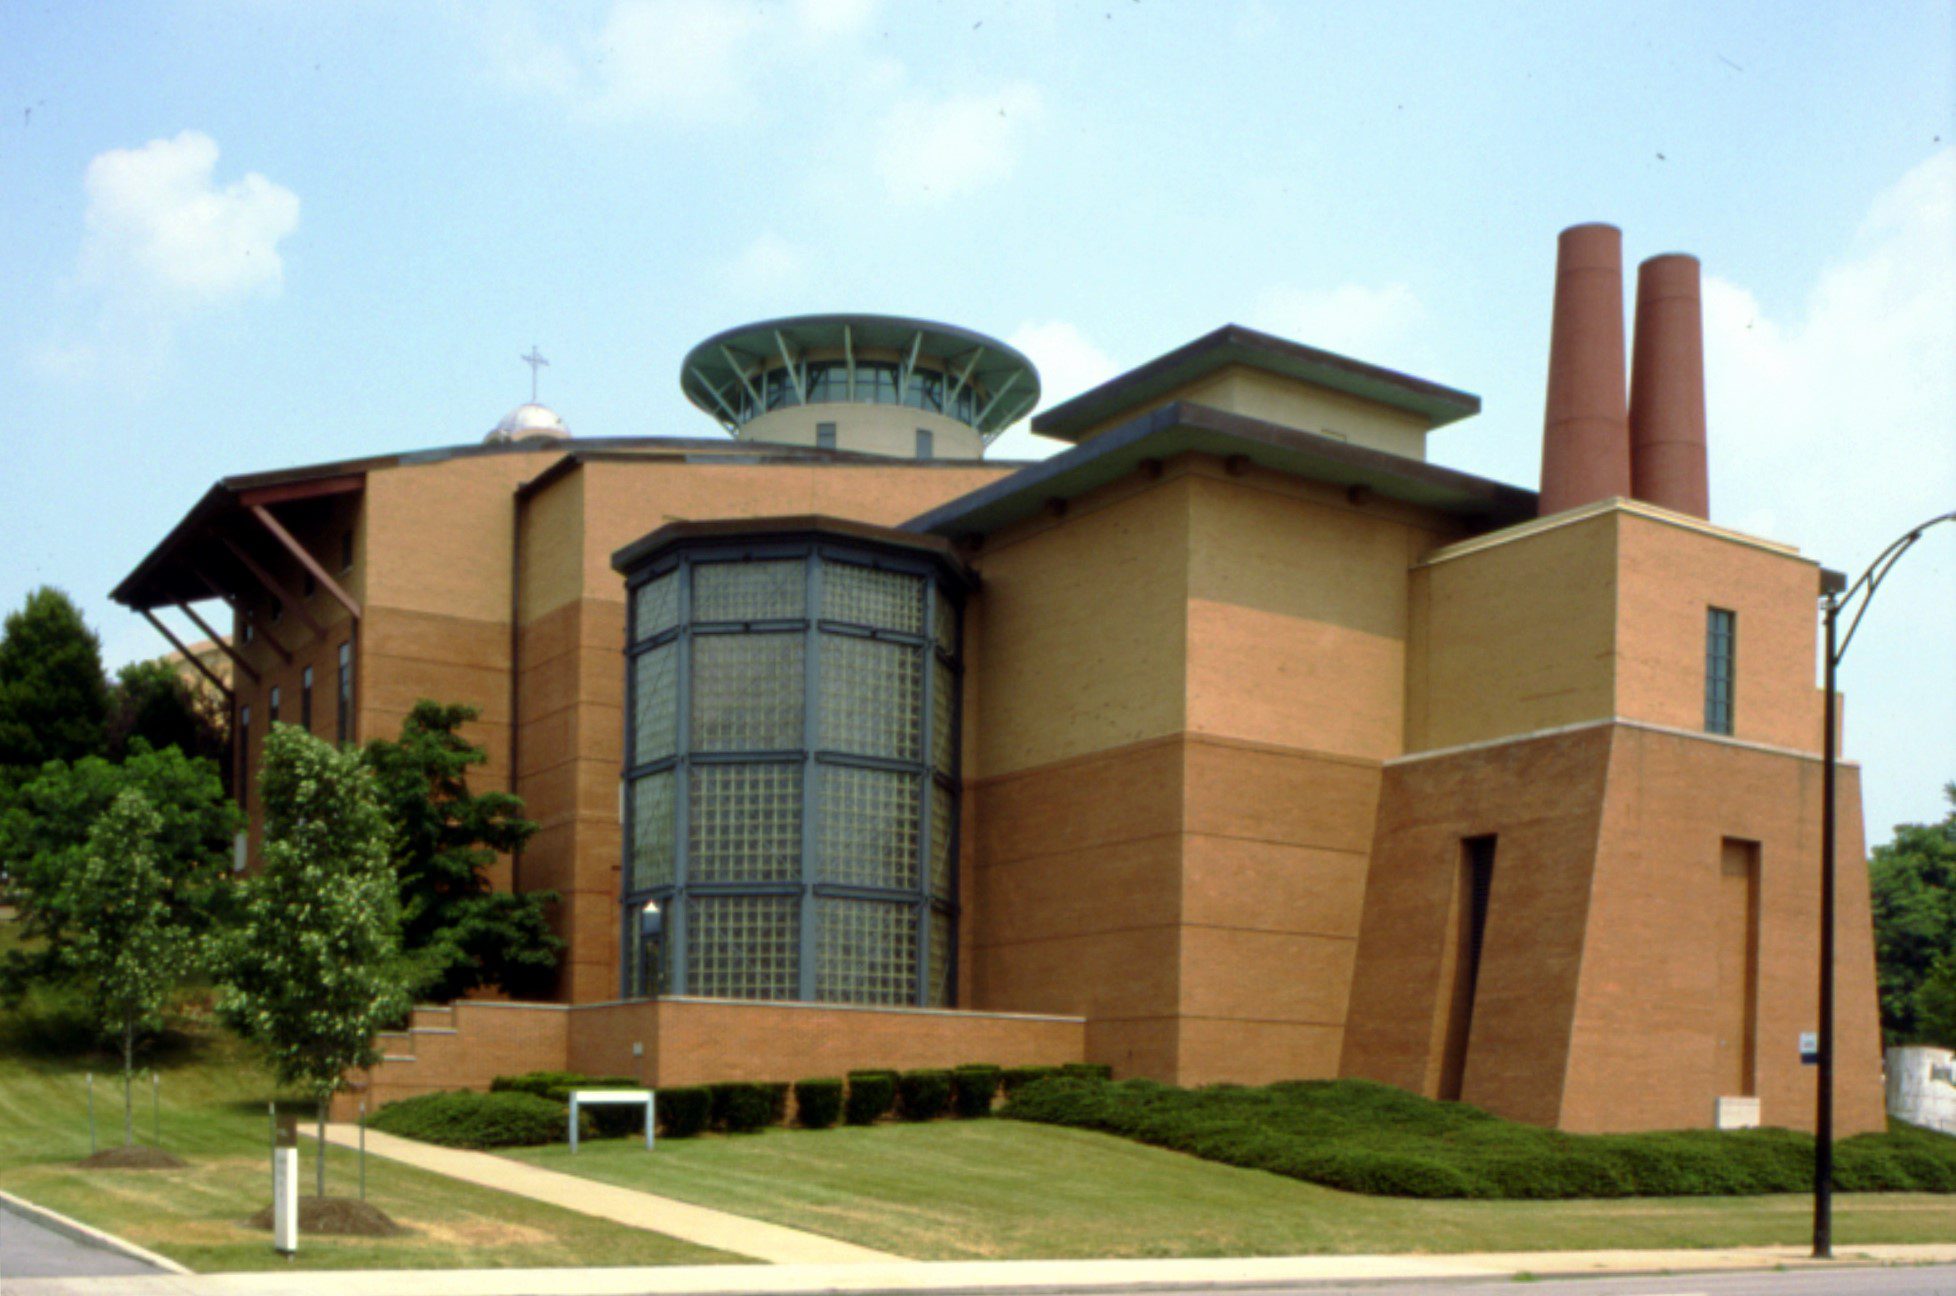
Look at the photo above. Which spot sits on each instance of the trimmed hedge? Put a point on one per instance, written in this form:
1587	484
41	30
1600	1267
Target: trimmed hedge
777	1101
684	1110
871	1094
818	1103
465	1119
1015	1078
923	1095
1369	1138
972	1089
742	1106
609	1121
1087	1071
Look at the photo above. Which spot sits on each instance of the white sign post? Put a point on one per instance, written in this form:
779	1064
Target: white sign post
285	1189
593	1097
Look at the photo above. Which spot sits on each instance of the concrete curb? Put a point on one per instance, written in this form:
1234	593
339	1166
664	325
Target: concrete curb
76	1231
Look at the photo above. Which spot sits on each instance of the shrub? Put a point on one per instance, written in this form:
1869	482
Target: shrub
609	1121
777	1101
1087	1071
871	1094
1369	1138
741	1106
817	1103
923	1095
684	1110
972	1090
477	1120
1016	1077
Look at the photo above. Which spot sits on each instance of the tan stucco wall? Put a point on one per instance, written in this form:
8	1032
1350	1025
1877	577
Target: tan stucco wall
868	429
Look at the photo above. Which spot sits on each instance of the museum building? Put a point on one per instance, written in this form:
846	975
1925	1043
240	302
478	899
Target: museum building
1235	742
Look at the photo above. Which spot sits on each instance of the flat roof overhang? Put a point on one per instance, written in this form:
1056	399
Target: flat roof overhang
807	526
1181	428
1232	344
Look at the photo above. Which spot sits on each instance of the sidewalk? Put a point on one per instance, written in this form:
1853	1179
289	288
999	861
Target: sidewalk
734	1234
1007	1276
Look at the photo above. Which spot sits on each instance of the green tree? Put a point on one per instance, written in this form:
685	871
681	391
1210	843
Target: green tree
54	699
314	967
1913	881
459	932
44	843
125	951
152	701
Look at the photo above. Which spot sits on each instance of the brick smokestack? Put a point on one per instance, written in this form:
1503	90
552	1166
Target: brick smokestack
1586	433
1667	388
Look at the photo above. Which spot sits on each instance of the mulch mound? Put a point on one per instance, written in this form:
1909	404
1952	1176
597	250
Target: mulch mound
131	1158
334	1217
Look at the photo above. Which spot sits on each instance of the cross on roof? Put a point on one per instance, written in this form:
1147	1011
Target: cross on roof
536	362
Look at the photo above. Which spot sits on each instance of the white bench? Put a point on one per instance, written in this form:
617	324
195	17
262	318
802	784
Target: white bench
595	1097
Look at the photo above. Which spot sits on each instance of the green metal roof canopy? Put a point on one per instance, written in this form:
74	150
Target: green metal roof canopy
719	371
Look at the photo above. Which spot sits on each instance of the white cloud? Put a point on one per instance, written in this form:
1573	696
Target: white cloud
767	267
935	149
1832	427
159	232
1068	363
1353	319
833	17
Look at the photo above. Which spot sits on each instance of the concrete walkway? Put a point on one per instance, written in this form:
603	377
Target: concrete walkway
1005	1276
734	1234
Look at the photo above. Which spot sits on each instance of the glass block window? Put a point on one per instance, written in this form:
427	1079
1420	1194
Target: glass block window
654	833
871	697
946	616
655	608
655	704
943	814
742	946
865	951
745	823
1721	634
943	717
747	692
868	834
865	596
750	591
938	990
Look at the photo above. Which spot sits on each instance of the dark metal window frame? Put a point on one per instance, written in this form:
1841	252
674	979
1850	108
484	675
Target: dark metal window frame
343	720
305	699
808	888
1721	669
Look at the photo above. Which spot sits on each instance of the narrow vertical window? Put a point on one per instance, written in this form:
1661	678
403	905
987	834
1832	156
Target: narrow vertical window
305	699
271	710
346	551
1721	634
343	721
250	632
1736	1044
244	758
825	436
1474	882
925	443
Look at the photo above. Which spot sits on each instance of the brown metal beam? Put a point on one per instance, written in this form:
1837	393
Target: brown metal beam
324	486
285	596
188	656
306	560
284	653
219	640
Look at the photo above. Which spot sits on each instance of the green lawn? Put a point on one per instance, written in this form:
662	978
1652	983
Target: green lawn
998	1189
213	1116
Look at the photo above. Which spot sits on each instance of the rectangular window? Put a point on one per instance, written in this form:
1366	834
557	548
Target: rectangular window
250	632
305	699
1473	885
346	551
271	711
344	720
825	436
278	610
925	443
1721	651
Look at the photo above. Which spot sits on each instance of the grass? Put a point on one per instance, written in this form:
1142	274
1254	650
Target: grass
995	1189
214	1117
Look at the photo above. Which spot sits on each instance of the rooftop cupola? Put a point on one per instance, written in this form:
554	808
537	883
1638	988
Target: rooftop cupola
872	384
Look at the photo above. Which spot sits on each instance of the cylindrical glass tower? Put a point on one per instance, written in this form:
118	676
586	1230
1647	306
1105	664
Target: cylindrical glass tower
790	791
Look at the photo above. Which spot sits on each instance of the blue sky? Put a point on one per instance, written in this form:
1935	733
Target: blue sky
239	236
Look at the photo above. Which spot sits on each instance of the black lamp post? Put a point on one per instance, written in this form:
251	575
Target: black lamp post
1838	596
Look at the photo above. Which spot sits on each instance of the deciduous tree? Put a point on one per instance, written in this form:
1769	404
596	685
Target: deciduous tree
54	698
1913	879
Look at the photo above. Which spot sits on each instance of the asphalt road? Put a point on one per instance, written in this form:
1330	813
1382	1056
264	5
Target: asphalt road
29	1251
1933	1280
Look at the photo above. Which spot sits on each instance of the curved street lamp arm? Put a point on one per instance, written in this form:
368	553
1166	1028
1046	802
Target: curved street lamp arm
1871	579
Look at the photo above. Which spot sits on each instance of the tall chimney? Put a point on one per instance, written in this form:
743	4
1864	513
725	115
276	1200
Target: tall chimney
1667	388
1585	435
